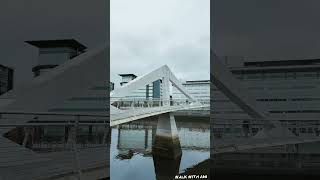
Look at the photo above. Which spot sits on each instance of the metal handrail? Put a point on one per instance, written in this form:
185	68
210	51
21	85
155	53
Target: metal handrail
48	114
50	124
256	119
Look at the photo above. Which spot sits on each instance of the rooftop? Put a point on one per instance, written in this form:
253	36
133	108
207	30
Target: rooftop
283	63
194	82
58	43
198	81
5	67
122	75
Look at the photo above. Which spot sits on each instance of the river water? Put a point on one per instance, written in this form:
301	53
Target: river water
131	155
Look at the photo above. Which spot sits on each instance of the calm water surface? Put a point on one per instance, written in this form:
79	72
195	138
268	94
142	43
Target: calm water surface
131	149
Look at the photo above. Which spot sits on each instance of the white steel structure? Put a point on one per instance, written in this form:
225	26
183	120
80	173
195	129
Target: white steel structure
141	109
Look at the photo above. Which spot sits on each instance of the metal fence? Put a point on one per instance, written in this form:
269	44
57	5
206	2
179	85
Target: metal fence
41	131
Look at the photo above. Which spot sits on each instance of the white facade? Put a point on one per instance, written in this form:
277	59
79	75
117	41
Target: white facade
200	90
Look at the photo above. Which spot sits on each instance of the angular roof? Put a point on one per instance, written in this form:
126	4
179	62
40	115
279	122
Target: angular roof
58	43
127	75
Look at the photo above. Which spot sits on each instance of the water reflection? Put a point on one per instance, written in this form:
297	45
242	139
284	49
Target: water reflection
137	152
166	168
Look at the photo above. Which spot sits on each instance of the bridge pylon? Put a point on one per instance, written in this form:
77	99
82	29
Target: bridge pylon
164	74
167	143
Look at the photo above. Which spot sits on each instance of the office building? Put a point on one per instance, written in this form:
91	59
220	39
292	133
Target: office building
199	89
55	52
287	89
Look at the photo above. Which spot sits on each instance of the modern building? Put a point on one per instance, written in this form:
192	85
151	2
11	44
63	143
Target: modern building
199	89
151	91
127	78
55	52
287	89
6	79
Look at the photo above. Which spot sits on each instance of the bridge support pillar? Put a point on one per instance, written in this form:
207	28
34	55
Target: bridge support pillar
167	143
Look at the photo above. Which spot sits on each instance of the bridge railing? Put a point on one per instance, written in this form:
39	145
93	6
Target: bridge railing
42	131
128	103
64	138
227	127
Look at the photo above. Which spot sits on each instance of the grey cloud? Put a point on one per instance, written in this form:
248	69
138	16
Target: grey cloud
177	35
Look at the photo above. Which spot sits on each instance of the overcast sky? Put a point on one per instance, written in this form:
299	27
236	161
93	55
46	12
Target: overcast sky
84	20
276	29
146	34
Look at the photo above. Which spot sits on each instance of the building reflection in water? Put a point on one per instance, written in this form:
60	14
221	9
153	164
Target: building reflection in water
163	146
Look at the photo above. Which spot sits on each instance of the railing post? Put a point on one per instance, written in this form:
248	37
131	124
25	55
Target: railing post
26	136
105	134
75	148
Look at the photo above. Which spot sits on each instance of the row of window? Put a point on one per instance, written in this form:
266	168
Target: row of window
297	111
282	88
176	93
274	99
290	99
282	75
282	111
254	130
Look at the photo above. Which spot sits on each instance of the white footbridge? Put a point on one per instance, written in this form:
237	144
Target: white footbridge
141	108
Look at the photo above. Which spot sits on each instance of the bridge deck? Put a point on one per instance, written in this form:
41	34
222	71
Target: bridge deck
138	113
